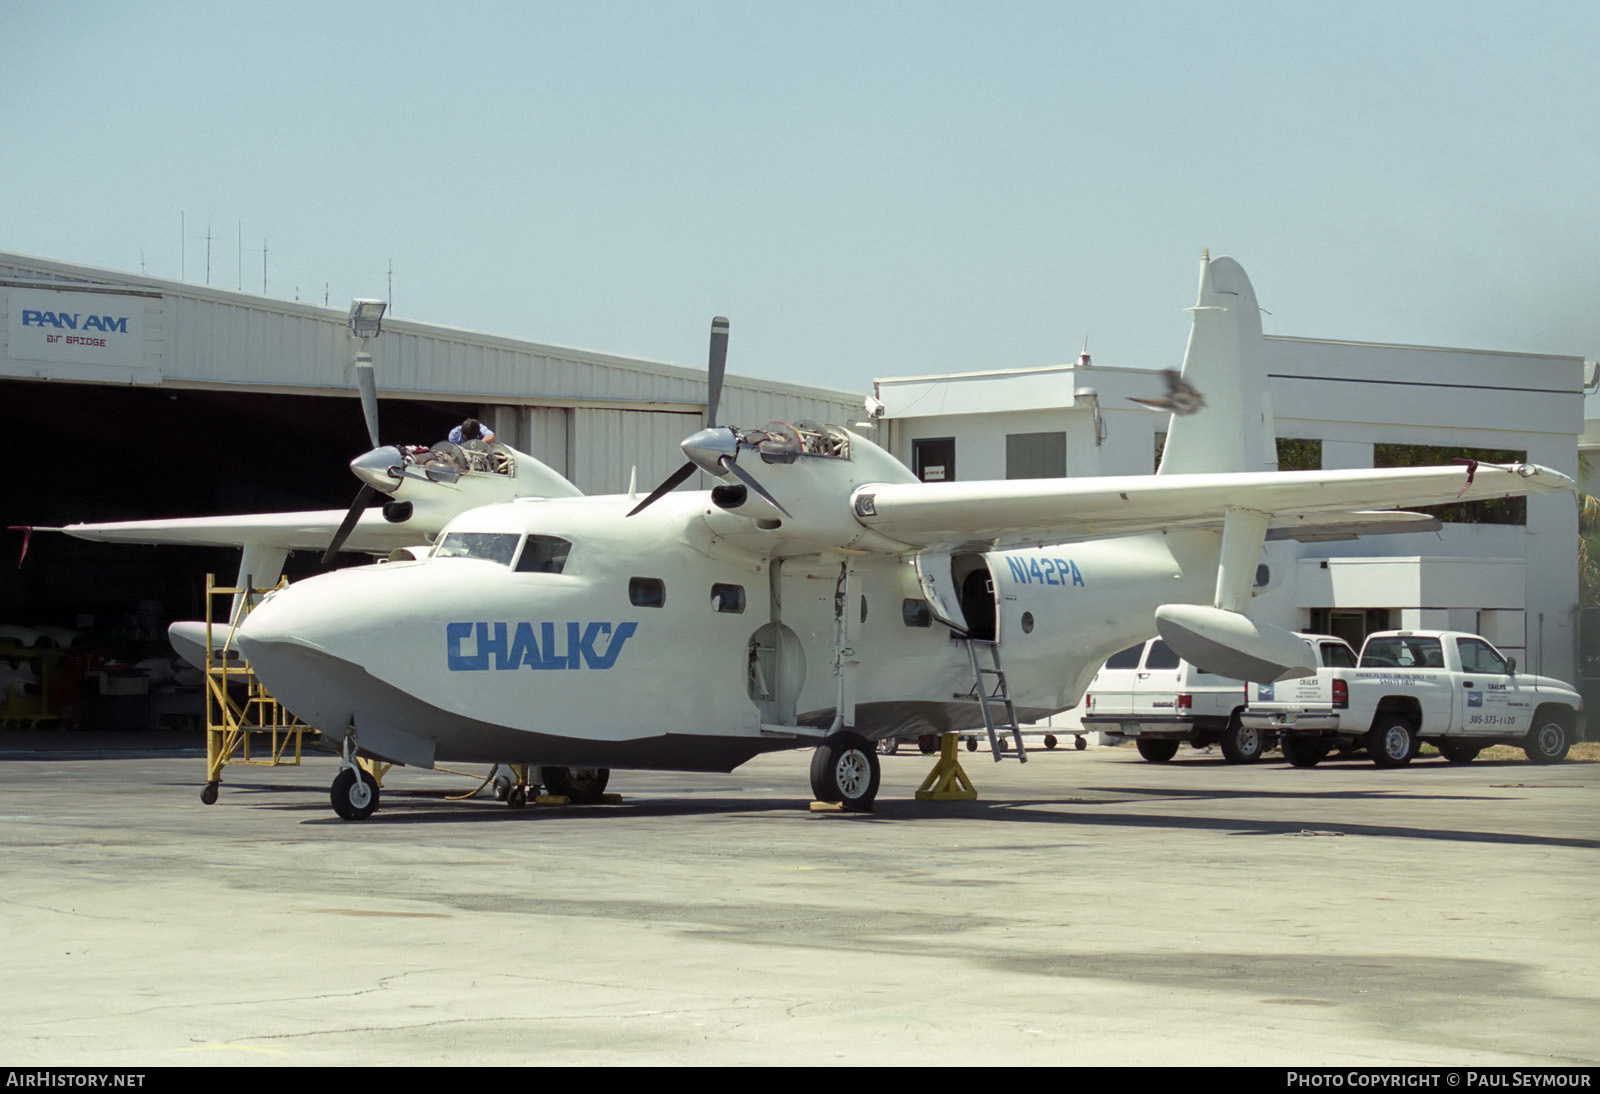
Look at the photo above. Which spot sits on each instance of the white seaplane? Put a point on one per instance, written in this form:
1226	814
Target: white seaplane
819	597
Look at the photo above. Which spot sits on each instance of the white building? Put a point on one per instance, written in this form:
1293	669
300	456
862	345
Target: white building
1347	404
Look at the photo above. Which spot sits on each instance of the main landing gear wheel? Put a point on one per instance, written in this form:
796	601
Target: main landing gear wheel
517	797
1156	750
844	769
1050	740
579	785
1079	743
502	787
354	794
1391	742
1303	751
1241	745
1459	752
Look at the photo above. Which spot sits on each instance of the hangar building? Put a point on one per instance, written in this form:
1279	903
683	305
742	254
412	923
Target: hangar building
129	397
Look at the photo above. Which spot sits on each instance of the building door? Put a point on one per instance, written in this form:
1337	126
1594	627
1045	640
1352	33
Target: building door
934	459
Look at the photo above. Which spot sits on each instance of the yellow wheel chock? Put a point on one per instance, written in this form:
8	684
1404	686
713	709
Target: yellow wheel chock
947	782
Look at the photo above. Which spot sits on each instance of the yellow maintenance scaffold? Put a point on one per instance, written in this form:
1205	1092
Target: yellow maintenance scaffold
244	724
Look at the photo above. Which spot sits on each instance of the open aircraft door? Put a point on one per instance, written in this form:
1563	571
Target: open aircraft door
937	577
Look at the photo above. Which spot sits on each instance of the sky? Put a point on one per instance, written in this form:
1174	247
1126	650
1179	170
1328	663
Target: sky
866	189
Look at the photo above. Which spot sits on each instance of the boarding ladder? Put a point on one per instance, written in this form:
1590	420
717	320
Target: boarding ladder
989	688
244	714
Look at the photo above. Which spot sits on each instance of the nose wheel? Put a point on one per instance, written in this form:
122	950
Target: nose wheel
354	794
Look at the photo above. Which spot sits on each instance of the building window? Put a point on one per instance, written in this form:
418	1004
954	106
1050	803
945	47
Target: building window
1299	454
727	598
1036	455
647	592
1488	511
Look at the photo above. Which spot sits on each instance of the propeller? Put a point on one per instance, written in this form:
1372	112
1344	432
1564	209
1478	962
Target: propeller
367	385
715	449
348	525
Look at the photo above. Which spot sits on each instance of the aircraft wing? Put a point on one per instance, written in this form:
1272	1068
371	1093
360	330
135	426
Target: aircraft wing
1029	512
304	531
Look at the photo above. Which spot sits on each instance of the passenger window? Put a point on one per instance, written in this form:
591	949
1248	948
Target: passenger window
1479	657
727	598
544	555
916	613
1125	659
647	592
1337	657
1162	656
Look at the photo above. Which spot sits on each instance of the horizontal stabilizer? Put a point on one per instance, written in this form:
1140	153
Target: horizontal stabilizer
1230	644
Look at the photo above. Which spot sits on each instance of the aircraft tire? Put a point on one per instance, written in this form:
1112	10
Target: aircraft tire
1391	741
1156	750
972	744
1241	745
1303	751
1458	752
844	769
1079	743
502	787
888	746
1050	740
353	798
516	797
579	785
928	743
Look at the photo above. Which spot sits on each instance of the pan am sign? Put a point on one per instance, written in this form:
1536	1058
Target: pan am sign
80	327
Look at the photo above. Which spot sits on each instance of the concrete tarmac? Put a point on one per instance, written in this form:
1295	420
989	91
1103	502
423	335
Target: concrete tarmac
1089	908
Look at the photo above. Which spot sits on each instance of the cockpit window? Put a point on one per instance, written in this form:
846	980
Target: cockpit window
544	555
498	547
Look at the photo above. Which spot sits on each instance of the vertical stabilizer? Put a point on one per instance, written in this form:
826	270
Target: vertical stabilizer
1232	429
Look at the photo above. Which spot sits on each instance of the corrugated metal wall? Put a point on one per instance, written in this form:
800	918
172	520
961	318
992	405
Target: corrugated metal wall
606	416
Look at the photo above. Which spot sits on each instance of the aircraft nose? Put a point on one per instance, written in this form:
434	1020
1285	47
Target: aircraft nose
295	641
380	468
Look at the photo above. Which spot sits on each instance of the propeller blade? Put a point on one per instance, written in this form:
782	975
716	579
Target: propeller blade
749	480
348	525
672	482
716	366
367	382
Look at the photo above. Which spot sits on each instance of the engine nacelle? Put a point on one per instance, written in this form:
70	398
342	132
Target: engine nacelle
1231	644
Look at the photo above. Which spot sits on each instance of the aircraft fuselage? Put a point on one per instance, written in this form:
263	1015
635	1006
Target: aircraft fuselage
655	642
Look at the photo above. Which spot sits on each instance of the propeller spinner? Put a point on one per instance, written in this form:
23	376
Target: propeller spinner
715	449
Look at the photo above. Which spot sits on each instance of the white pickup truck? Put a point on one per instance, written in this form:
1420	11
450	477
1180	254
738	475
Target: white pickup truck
1147	693
1448	688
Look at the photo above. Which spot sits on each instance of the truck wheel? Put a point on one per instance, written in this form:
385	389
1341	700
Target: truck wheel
1155	750
1303	751
1458	752
1547	742
1391	741
1241	745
